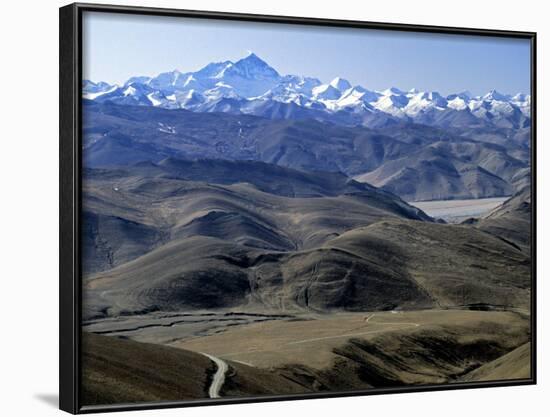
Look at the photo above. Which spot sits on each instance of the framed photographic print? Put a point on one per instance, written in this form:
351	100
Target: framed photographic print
259	208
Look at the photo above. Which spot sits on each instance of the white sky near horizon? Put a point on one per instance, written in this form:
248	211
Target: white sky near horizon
118	46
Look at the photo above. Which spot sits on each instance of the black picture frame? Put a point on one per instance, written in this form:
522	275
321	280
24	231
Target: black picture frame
70	44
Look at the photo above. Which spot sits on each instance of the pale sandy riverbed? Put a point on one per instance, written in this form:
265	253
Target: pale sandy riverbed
455	211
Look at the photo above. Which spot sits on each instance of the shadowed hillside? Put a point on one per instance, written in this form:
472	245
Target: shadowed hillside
416	162
513	365
124	371
433	173
383	266
455	265
512	221
471	351
128	212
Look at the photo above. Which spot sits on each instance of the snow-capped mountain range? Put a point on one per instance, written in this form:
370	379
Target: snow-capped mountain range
251	86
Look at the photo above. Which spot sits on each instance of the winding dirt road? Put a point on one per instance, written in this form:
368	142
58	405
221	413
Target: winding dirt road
219	376
367	319
222	367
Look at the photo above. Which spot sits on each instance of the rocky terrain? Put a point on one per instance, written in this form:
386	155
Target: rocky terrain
158	241
251	233
413	161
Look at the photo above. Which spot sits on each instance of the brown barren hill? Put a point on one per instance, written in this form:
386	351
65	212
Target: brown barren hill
123	371
511	222
514	365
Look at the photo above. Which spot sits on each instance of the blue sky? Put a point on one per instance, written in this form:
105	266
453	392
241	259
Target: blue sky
117	47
